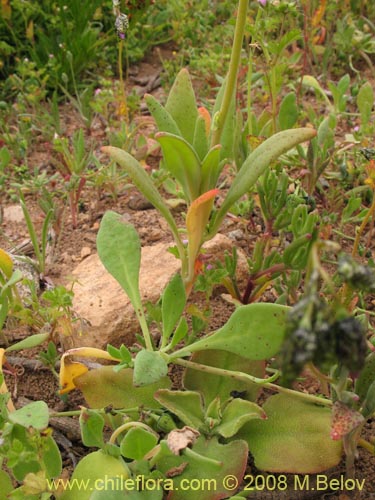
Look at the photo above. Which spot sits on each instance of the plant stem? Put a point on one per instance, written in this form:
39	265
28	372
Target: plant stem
74	413
130	425
143	324
232	72
123	105
245	377
366	445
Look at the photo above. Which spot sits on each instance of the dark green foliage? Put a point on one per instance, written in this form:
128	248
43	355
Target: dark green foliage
70	39
356	275
351	345
314	333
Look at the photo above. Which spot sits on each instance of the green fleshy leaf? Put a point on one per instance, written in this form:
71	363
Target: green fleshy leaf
182	162
210	460
143	182
254	331
149	367
6	485
295	438
32	415
92	425
223	387
187	405
365	102
200	143
236	413
95	468
369	404
228	135
51	457
29	342
310	81
366	377
103	387
15	278
211	168
256	164
163	119
213	412
173	304
182	106
288	112
180	332
137	443
119	249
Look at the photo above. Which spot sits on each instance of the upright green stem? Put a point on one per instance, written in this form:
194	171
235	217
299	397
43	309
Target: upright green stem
145	331
232	73
124	104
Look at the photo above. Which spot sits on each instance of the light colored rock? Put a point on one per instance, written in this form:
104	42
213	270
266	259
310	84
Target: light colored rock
85	252
236	234
221	244
100	300
30	276
13	213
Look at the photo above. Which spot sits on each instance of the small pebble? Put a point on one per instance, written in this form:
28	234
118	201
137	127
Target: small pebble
13	213
139	203
85	252
237	234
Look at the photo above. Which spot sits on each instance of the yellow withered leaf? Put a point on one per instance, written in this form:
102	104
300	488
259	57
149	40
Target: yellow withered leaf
6	263
3	386
68	372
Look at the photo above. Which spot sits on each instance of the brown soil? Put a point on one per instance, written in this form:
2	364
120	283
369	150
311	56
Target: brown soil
39	384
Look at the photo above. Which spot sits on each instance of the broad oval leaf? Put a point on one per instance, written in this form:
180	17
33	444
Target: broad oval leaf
255	331
200	143
212	460
220	386
149	367
51	457
236	413
255	165
6	485
95	468
186	405
91	424
288	113
32	415
365	102
164	120
182	106
295	438
182	162
173	304
103	387
137	443
119	249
